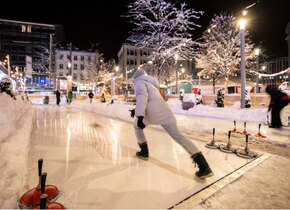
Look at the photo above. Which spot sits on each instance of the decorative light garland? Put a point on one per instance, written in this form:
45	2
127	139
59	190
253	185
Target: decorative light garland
271	75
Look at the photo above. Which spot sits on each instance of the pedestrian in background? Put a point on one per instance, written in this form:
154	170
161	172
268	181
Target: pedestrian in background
91	96
57	94
278	101
152	109
69	97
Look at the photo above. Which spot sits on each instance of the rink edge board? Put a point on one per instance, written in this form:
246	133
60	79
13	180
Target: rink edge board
208	191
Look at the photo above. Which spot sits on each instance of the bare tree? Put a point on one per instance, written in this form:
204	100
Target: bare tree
220	50
166	29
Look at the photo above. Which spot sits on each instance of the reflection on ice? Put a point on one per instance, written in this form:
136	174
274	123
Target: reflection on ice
91	159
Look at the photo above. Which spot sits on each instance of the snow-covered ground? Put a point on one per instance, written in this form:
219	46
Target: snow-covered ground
200	118
15	123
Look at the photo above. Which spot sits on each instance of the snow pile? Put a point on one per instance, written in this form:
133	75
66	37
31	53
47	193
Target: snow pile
11	111
15	122
229	113
197	119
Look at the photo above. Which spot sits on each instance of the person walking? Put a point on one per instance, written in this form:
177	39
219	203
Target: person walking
69	97
91	96
57	94
278	101
152	109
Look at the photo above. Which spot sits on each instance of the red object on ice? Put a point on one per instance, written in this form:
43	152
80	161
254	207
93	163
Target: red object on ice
260	135
32	197
45	205
245	133
52	205
234	131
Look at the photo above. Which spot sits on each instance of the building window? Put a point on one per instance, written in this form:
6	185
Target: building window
60	74
82	58
60	66
82	66
29	29
75	58
60	57
75	66
82	77
89	58
68	57
23	28
75	77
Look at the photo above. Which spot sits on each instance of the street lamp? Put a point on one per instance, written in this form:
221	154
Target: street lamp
257	52
242	24
176	57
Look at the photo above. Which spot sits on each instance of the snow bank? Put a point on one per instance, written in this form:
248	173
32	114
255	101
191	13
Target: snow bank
231	113
15	122
197	119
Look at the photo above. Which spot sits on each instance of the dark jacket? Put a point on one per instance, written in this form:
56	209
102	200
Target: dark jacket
91	95
57	95
277	96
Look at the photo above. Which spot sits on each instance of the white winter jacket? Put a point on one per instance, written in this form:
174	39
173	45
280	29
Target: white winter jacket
149	102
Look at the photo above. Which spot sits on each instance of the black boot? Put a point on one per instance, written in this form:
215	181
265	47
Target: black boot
204	169
143	154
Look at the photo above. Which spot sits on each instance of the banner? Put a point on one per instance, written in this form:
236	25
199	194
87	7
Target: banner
28	73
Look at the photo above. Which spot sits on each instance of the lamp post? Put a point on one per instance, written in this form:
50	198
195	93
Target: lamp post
242	24
8	66
257	52
176	72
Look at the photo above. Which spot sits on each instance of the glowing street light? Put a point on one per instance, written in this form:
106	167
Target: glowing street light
117	68
245	12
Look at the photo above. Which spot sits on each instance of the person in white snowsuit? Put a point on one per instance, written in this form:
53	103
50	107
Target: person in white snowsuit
152	109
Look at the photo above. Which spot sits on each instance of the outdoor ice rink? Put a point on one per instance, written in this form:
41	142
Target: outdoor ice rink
91	159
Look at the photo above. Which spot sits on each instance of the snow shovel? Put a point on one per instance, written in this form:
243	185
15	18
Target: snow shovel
246	153
228	148
32	197
212	144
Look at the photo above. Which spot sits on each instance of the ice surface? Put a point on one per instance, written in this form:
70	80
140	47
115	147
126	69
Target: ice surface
91	159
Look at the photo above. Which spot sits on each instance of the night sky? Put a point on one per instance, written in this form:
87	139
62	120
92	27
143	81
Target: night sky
86	23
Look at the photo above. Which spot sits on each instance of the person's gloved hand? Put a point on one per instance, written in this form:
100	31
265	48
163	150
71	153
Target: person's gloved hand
132	112
140	123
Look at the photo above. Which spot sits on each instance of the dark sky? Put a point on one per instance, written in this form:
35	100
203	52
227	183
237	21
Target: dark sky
86	23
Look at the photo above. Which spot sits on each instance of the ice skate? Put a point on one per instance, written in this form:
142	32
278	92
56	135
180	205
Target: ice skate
204	169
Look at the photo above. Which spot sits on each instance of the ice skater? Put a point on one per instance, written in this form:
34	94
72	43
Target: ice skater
152	109
278	101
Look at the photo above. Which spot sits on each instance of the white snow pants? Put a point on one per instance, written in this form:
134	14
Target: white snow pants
174	132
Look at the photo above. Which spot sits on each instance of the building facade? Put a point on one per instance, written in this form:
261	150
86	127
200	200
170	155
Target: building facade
75	63
19	39
275	66
132	57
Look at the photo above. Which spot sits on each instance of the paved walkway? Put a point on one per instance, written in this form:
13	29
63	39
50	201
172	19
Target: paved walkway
91	159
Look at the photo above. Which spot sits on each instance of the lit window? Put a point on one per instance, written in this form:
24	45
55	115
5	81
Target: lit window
29	29
23	28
